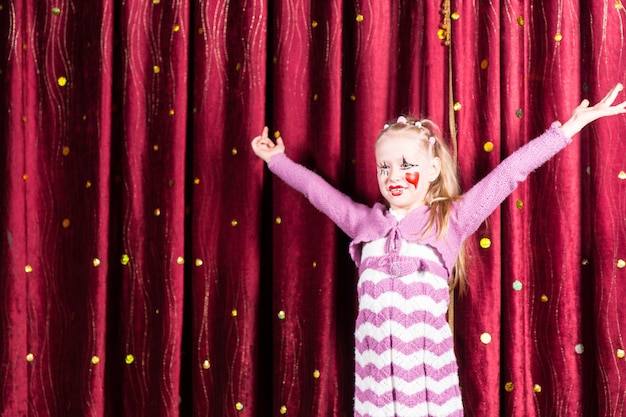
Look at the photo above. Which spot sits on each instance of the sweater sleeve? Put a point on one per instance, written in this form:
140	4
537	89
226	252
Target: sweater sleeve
340	208
483	198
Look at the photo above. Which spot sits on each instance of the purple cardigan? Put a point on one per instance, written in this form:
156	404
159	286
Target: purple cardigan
365	224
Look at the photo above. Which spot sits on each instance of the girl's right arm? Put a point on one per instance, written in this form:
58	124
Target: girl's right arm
340	208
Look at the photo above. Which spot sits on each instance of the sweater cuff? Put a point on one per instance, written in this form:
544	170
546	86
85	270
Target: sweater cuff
555	129
276	159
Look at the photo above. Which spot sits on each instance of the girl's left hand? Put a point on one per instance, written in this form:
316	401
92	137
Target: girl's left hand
583	114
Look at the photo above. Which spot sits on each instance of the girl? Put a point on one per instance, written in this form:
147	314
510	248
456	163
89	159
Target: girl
408	250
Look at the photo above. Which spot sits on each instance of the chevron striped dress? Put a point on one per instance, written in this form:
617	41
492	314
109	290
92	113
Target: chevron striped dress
405	363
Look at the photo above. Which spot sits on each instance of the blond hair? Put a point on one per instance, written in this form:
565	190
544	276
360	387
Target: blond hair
443	191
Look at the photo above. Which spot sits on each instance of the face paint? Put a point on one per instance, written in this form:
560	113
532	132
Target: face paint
413	178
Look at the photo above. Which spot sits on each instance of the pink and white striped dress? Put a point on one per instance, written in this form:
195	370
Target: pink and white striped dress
405	363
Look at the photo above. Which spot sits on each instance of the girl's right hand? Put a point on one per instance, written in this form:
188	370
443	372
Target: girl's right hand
264	148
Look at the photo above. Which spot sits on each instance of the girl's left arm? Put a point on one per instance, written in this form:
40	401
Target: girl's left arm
482	199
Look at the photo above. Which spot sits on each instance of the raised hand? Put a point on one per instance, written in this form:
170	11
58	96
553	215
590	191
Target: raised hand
583	114
264	148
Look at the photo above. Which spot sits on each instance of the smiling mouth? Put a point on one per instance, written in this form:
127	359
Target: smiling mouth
396	190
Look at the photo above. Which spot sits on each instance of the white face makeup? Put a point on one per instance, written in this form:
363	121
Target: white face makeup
405	170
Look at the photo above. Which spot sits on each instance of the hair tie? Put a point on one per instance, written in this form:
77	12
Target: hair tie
432	140
401	119
418	124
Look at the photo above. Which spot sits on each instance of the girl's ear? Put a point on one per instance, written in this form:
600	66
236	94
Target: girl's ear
435	169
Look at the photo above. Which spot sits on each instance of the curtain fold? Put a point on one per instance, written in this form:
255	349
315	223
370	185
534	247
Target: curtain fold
152	265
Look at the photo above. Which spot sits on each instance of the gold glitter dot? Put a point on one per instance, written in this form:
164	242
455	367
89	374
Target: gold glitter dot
155	147
488	147
88	184
314	24
585	261
352	97
620	353
66	150
239	406
537	388
95	262
621	263
176	28
520	20
485	243
237	66
156	69
485	338
206	364
62	81
198	262
180	260
30	357
24	119
484	64
519	204
66	223
28	269
359	17
281	315
558	37
316	374
124	259
156	1
24	47
276	134
509	387
278	220
544	298
25	177
56	11
457	106
129	359
441	34
621	175
234	313
315	97
283	409
200	31
234	223
234	151
196	181
95	360
157	212
171	112
455	16
314	264
619	5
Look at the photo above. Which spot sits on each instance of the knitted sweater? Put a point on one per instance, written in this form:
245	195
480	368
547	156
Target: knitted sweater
364	224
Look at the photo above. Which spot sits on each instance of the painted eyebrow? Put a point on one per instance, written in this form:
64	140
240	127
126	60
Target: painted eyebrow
404	161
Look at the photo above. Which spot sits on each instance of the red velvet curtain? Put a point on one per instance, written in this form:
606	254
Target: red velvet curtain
151	265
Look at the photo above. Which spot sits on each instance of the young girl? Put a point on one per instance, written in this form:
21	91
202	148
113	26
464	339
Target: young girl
408	250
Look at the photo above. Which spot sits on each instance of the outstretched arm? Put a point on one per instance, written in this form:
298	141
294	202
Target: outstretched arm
583	114
482	199
264	148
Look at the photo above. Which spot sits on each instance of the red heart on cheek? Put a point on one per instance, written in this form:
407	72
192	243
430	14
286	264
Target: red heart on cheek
413	178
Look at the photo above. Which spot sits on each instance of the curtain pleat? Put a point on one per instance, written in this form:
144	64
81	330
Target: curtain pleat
151	265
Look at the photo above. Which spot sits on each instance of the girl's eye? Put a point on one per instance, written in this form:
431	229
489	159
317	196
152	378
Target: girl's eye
406	165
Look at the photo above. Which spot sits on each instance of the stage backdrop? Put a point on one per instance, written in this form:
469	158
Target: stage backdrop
150	265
